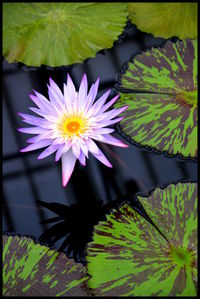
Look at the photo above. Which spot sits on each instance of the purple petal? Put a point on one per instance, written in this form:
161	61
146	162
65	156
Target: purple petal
109	122
110	103
62	149
37	145
68	163
98	104
82	93
69	99
70	87
110	140
50	150
111	114
82	158
101	157
103	131
54	98
84	149
47	115
92	94
32	130
33	120
37	138
56	89
76	151
92	147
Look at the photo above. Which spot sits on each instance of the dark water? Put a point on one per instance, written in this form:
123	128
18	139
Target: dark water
34	201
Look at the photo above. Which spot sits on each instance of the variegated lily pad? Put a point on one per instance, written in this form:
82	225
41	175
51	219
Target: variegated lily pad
160	88
30	269
58	34
130	257
165	19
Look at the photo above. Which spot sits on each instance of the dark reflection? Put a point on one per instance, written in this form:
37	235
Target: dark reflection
75	224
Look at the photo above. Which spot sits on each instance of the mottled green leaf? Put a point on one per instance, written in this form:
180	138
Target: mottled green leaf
160	88
58	34
129	257
30	269
165	19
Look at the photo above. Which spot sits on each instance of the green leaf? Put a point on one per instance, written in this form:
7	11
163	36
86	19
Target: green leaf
31	269
160	88
174	211
58	34
129	257
165	19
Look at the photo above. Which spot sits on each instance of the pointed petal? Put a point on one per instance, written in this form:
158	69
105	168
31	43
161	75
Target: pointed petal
98	104
110	140
59	152
84	149
82	93
50	116
110	103
111	114
37	138
101	157
33	120
82	159
48	151
76	150
32	130
68	163
103	131
37	145
92	147
70	87
109	122
54	98
56	89
92	94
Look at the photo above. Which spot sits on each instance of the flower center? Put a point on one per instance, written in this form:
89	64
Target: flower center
72	127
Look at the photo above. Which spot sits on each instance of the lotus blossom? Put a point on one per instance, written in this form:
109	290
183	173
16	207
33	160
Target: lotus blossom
70	123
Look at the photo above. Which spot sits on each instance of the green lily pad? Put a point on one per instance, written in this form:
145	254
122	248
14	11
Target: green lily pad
58	34
160	88
165	19
130	257
30	269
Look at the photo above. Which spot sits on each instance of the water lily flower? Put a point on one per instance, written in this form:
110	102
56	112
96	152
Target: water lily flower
70	122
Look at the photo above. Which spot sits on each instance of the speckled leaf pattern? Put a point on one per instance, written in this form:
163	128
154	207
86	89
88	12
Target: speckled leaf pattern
30	269
130	257
165	19
58	34
160	88
174	211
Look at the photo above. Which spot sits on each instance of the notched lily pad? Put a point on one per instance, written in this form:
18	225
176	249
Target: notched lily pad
31	269
165	19
130	257
160	88
58	34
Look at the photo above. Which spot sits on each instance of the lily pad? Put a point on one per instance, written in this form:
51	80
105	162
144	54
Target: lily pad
58	34
130	257
31	269
165	19
160	88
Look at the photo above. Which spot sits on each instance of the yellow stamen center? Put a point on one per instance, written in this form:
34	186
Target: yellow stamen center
74	125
